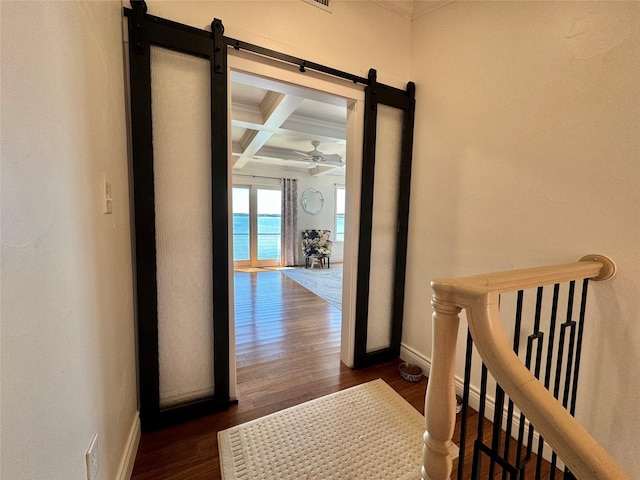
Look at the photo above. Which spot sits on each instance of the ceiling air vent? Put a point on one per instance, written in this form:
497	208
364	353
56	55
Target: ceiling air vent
323	4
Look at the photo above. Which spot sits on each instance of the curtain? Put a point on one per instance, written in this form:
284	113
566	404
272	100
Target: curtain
289	257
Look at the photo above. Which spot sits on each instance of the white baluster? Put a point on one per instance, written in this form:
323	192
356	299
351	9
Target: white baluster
440	403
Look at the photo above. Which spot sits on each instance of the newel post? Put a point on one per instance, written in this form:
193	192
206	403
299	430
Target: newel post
440	402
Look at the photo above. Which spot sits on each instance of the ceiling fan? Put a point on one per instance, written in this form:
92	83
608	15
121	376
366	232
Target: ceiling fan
316	157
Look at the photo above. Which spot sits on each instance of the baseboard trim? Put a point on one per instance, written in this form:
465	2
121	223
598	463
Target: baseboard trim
410	355
131	449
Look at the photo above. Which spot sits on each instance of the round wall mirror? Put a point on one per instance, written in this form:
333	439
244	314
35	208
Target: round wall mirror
312	201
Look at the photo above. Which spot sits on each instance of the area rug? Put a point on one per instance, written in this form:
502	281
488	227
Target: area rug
324	282
365	432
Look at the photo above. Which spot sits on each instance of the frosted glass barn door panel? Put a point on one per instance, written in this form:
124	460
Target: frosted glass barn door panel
384	222
181	119
179	142
384	227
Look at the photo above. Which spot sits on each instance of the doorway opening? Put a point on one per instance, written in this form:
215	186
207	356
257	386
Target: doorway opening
280	130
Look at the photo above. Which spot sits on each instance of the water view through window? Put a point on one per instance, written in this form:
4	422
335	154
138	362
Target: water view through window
241	225
340	209
265	218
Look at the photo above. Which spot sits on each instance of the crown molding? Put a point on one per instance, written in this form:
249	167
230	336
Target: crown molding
403	8
412	9
424	7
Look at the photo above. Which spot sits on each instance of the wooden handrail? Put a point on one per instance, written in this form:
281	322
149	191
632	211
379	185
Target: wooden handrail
479	296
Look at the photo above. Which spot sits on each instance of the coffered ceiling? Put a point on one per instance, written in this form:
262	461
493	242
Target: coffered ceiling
273	124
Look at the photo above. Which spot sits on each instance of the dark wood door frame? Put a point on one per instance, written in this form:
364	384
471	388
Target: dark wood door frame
144	31
378	94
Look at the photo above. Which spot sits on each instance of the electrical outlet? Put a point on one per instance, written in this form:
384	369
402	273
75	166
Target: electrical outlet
92	459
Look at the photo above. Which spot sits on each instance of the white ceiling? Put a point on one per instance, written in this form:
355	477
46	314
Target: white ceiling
272	122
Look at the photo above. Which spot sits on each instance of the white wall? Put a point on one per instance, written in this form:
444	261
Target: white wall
527	153
324	183
68	356
325	220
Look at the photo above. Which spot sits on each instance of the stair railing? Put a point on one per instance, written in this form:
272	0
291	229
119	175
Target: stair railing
479	296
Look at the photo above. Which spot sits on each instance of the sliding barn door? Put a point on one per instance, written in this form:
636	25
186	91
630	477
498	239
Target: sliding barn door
179	143
384	215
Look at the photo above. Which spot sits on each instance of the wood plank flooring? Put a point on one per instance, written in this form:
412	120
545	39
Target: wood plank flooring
288	352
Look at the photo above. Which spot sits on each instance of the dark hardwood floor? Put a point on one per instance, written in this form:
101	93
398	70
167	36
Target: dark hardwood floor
288	352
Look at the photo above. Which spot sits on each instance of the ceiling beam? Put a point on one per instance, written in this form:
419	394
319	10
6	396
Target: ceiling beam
328	133
276	108
321	170
276	153
245	116
272	152
287	89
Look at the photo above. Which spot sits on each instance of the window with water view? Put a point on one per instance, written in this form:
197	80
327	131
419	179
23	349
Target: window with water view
340	208
257	224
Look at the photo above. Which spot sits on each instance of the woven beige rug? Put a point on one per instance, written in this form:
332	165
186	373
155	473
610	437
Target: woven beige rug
365	432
